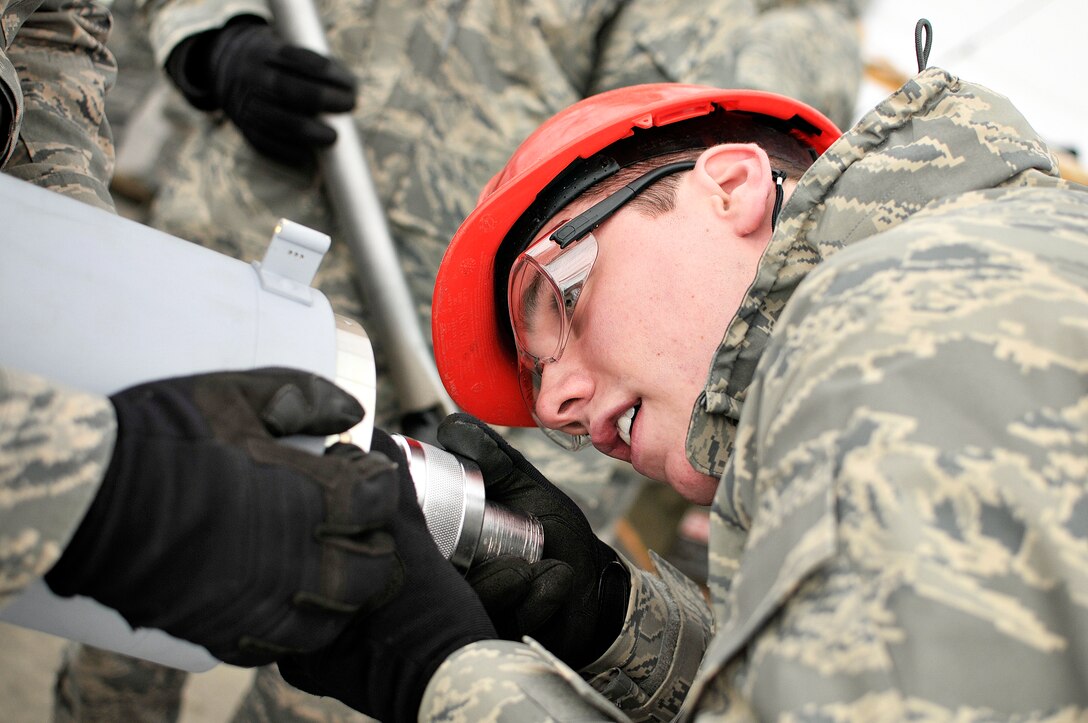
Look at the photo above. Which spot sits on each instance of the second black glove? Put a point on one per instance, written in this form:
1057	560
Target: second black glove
575	599
272	91
382	663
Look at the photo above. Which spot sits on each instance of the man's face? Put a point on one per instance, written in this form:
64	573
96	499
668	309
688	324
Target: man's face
647	323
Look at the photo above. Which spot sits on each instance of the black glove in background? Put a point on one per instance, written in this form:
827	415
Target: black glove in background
574	600
271	90
382	663
208	527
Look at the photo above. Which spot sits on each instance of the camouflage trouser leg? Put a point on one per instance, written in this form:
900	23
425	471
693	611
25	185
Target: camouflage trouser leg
65	70
273	700
98	685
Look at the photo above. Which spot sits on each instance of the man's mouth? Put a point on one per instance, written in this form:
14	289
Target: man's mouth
623	424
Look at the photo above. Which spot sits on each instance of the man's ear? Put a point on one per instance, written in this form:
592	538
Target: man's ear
738	177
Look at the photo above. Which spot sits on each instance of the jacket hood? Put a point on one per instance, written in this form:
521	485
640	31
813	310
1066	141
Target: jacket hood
935	137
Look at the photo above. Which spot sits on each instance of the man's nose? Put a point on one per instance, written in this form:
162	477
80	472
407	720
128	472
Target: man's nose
561	400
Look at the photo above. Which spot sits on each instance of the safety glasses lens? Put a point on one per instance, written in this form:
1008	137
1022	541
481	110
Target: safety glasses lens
545	285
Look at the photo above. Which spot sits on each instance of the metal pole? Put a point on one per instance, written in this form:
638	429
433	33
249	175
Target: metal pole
362	219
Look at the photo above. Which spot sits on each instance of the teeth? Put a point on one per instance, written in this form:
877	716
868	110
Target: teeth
623	424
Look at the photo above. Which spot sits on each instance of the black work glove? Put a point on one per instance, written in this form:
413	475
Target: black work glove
574	600
382	663
271	90
208	527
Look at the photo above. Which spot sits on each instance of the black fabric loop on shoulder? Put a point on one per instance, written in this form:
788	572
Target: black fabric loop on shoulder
922	28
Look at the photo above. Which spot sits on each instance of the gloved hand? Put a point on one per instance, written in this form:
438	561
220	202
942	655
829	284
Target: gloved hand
207	527
574	600
271	90
382	663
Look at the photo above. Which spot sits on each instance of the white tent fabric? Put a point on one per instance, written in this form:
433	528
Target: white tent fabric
1029	50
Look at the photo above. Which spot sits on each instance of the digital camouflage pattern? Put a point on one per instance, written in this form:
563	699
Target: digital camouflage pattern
647	671
901	529
645	675
907	500
55	445
101	685
54	75
89	679
509	681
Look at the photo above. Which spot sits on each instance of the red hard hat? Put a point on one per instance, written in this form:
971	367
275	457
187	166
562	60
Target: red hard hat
473	347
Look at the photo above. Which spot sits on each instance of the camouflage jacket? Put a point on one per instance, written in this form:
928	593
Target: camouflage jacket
55	71
900	527
55	446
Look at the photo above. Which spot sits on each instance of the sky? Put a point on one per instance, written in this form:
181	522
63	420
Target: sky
1031	51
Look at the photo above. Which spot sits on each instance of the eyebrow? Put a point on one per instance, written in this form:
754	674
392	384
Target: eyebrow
529	300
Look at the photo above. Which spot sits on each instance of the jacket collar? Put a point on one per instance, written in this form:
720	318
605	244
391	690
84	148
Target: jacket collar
936	136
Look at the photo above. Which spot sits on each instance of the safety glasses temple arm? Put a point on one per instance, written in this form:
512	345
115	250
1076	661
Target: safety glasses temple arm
598	213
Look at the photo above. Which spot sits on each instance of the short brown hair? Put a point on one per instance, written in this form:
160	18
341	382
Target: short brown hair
786	153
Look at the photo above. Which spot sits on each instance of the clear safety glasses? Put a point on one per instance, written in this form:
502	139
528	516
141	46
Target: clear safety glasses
546	281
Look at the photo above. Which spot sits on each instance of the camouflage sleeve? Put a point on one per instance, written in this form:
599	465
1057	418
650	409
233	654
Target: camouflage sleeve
912	458
507	682
171	21
807	50
650	668
55	445
644	676
64	71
